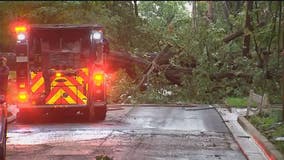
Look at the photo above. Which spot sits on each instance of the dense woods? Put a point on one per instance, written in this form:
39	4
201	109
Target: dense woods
175	51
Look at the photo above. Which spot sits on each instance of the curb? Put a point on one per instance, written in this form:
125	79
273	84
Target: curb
270	151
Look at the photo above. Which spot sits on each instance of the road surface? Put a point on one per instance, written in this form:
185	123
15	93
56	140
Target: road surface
128	133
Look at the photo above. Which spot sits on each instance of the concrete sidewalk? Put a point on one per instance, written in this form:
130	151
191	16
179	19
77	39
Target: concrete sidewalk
246	142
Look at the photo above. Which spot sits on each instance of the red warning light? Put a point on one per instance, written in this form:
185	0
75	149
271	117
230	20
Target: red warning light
98	78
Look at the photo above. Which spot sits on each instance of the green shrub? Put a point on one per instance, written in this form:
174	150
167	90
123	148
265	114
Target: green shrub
269	124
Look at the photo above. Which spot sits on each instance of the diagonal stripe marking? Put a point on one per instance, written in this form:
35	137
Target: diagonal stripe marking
38	84
55	97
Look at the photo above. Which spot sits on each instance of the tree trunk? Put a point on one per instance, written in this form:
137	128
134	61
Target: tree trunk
239	33
248	28
116	60
234	35
281	53
227	14
257	50
194	13
257	12
246	47
174	74
135	8
151	67
280	47
210	15
273	30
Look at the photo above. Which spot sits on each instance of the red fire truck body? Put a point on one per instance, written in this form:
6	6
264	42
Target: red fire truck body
60	68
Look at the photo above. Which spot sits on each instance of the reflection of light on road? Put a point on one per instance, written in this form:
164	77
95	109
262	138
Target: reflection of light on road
56	136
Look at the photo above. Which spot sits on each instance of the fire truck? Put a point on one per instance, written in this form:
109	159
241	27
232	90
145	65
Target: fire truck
60	70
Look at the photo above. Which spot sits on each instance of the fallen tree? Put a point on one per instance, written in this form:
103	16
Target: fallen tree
157	62
239	33
231	75
160	63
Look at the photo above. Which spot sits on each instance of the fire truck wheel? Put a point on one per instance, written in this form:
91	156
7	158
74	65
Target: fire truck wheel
99	114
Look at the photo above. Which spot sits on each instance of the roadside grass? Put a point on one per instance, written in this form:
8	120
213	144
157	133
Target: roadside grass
270	125
238	102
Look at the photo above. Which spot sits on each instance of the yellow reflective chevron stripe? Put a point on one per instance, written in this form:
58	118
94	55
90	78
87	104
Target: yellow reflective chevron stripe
72	86
80	80
58	95
70	100
85	70
55	97
77	92
38	84
33	75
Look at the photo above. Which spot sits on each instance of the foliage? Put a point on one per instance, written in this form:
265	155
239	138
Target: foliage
269	124
158	90
117	86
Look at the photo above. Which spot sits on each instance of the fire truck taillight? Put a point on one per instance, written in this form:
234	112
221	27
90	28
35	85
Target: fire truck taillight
23	96
98	78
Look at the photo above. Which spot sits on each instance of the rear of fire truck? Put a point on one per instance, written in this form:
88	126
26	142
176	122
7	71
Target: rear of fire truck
60	70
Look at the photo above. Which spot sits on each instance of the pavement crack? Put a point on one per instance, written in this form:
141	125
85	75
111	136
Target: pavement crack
105	139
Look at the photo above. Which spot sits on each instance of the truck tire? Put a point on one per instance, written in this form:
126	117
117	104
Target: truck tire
97	113
100	113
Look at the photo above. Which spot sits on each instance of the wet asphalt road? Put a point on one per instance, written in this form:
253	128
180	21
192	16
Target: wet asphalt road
128	133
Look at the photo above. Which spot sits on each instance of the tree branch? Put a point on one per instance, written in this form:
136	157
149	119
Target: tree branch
239	33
